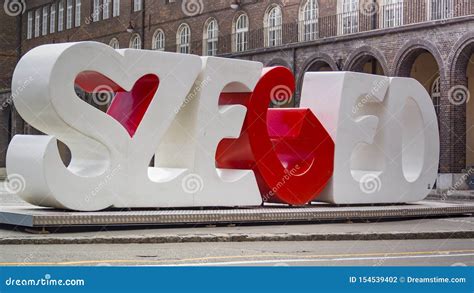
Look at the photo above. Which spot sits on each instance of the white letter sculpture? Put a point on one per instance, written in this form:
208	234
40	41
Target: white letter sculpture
386	136
178	108
109	168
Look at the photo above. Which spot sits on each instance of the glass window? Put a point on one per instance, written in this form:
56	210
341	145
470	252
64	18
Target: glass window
52	19
273	27
106	9
96	10
44	25
441	9
183	39
211	38
78	13
61	16
309	21
350	16
136	42
159	41
116	8
29	30
37	22
69	14
241	33
392	13
137	5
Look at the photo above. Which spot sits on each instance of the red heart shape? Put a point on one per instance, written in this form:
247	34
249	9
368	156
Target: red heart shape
127	107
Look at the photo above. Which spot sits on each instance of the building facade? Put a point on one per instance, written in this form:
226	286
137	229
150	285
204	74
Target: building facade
429	40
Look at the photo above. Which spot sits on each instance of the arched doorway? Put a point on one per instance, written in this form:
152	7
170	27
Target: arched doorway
367	64
422	66
319	66
462	91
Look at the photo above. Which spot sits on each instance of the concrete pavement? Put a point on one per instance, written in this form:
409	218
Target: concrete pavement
449	252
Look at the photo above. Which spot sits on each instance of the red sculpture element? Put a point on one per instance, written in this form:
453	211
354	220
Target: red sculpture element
128	108
289	150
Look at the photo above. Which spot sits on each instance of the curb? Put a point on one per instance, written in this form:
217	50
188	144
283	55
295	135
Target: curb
238	238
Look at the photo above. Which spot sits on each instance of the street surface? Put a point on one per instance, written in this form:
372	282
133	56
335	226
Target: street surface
308	253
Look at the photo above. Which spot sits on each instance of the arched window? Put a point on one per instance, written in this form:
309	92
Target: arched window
136	42
211	35
241	33
183	39
436	94
441	9
392	13
350	16
309	21
158	40
114	43
273	28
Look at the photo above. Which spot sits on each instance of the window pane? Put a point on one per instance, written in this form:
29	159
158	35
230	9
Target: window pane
69	14
37	23
116	11
29	33
45	21
52	19
61	16
105	9
78	13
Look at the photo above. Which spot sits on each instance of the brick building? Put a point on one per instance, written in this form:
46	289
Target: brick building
430	40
